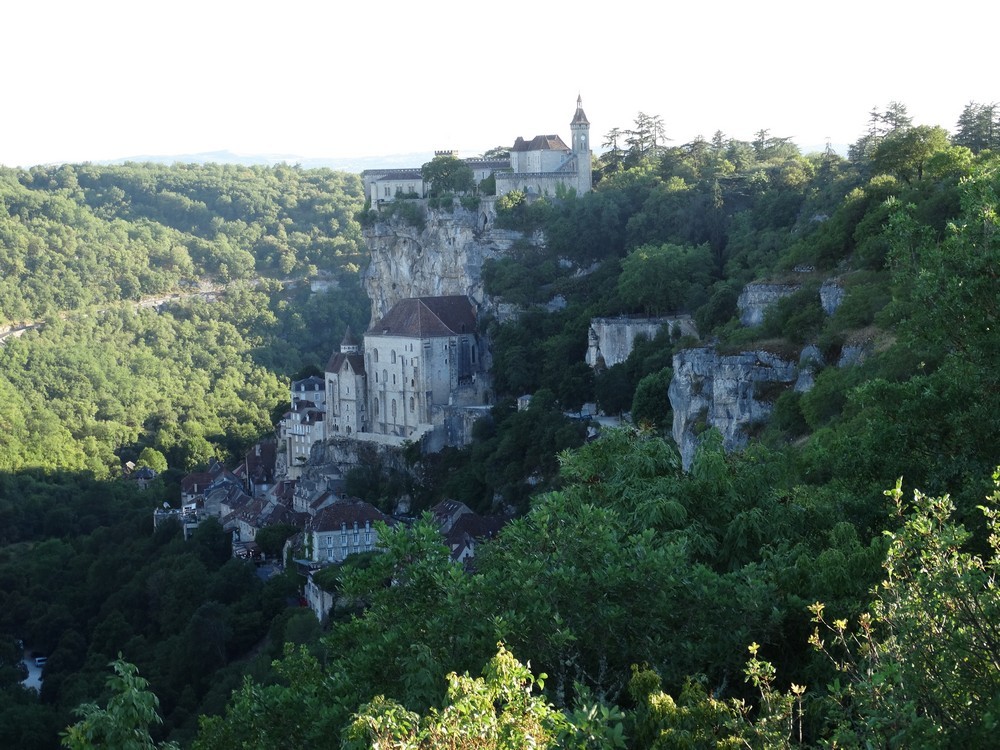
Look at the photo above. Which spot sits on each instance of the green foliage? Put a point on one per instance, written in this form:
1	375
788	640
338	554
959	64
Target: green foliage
665	278
494	712
651	405
76	236
448	174
125	722
906	151
921	667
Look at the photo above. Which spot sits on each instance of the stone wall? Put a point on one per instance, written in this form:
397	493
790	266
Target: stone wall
757	297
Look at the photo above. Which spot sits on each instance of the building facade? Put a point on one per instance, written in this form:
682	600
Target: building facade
543	165
423	355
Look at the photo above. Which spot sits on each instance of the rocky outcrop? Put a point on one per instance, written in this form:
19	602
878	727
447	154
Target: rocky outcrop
443	257
733	393
757	297
831	294
611	340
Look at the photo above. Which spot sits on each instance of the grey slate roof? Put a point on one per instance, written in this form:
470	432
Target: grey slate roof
540	143
428	317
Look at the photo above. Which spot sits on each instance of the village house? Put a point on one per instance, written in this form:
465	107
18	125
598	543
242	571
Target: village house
344	528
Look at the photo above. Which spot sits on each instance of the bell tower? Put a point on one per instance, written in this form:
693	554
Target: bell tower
580	127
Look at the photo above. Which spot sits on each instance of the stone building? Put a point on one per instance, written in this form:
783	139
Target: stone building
346	397
545	164
542	165
421	358
423	355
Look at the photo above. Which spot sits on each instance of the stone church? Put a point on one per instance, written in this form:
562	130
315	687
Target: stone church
419	364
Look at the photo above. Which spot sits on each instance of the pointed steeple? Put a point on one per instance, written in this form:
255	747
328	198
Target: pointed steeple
350	344
581	148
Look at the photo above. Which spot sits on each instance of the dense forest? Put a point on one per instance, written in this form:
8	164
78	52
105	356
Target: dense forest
794	593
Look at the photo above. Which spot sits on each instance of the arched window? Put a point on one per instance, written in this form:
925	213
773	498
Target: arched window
385	376
375	354
411	403
393	355
376	407
394	410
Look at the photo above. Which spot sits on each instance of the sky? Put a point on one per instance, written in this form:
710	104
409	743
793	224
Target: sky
104	79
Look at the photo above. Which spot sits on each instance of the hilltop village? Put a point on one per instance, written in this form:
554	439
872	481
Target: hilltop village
419	375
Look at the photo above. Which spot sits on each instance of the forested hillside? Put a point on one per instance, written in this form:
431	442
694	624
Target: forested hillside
782	595
103	377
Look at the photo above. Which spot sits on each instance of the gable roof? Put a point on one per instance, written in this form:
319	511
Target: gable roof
428	317
540	143
347	513
338	359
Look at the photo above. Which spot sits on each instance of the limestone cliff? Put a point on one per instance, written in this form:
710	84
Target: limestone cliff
443	257
611	340
757	297
730	392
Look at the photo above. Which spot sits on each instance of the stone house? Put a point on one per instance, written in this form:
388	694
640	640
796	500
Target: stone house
423	357
343	528
545	164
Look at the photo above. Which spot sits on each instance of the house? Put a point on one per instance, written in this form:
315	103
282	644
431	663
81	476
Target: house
257	469
422	358
343	528
463	528
194	485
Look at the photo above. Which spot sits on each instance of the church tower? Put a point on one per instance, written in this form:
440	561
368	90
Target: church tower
580	126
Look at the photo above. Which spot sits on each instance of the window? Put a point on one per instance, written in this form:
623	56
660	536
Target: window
392	355
385	376
387	191
411	403
394	409
375	354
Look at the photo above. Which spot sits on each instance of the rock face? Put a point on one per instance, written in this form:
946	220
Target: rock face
445	257
757	297
611	340
831	294
730	392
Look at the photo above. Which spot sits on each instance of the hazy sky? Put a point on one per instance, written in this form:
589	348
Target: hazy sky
90	80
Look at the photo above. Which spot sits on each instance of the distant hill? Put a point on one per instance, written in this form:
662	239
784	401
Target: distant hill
344	164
